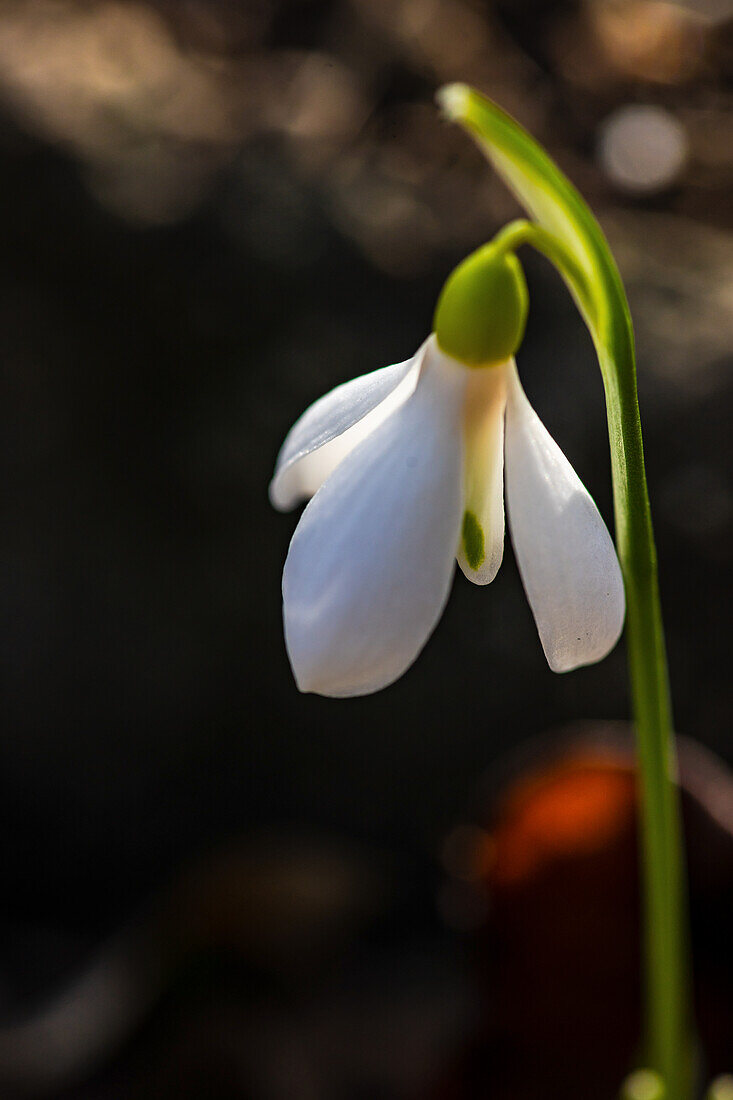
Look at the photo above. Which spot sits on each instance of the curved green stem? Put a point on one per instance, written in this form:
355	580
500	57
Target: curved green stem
667	978
667	974
565	230
521	232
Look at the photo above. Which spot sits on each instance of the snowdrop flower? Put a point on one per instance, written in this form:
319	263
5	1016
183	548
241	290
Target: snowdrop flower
405	470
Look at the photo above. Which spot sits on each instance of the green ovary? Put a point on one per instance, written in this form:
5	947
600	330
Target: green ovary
482	309
473	540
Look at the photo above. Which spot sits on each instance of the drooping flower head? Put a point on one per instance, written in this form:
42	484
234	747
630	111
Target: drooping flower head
405	471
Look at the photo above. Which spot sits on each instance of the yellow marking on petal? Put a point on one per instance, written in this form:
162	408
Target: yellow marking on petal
483	417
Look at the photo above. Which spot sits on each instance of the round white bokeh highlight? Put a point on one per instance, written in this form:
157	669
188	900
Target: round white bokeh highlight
642	148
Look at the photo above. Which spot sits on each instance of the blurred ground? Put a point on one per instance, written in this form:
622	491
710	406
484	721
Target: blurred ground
211	213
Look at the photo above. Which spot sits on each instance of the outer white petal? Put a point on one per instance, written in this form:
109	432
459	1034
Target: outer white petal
482	534
334	425
565	554
371	561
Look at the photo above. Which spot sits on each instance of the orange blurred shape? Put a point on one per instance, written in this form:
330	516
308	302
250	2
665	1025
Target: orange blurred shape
559	952
572	809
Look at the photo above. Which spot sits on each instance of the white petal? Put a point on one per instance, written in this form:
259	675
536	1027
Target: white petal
371	561
334	425
482	535
565	554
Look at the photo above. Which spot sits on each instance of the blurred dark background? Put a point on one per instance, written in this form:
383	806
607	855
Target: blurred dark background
212	212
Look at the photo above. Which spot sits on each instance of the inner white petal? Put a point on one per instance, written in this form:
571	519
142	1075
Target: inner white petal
334	425
566	557
305	477
481	547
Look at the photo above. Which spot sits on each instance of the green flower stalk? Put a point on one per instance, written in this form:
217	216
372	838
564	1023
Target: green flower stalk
563	228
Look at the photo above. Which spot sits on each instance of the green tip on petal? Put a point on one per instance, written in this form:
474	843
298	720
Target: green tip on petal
474	544
482	309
